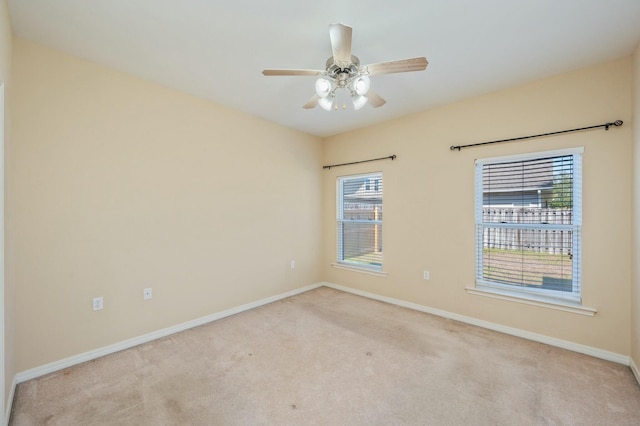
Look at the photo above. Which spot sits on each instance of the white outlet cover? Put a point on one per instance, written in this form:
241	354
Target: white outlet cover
98	303
426	275
147	294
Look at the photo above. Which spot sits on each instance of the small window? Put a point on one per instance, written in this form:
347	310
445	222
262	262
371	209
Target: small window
359	221
528	222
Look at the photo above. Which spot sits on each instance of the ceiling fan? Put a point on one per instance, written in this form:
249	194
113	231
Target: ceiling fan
343	71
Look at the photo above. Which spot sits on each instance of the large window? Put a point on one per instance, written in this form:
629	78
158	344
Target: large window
528	220
359	221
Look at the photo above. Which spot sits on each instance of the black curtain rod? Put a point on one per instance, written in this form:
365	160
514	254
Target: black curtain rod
392	157
606	126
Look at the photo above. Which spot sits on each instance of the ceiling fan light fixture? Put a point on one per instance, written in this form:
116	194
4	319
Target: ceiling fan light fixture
359	101
323	87
326	103
361	85
343	71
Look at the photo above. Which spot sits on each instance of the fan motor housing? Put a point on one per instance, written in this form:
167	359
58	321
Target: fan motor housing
335	71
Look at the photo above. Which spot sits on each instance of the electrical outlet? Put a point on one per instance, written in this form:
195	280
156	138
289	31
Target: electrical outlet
426	275
147	294
98	303
293	264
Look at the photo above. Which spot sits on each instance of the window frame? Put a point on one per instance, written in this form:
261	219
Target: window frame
529	293
378	180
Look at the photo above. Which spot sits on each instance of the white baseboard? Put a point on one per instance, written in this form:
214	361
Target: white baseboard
97	353
634	369
12	393
126	344
583	349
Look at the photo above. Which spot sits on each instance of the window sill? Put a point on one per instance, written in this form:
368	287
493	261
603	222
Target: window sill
357	269
511	297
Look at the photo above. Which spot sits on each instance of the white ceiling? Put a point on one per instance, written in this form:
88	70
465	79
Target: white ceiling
217	49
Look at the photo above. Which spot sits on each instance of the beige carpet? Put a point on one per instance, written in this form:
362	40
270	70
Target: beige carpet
331	358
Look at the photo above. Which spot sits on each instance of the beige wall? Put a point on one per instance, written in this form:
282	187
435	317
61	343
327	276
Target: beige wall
5	71
635	294
121	184
429	199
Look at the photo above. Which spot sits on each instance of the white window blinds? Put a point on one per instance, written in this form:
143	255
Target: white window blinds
359	220
528	220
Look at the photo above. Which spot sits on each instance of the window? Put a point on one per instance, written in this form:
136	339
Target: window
528	221
359	221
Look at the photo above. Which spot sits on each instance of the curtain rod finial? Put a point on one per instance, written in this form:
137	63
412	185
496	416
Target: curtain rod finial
616	123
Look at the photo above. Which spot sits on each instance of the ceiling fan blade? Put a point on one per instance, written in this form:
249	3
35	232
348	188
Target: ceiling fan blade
375	100
312	102
340	44
402	65
291	72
